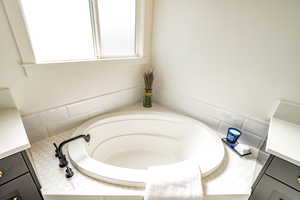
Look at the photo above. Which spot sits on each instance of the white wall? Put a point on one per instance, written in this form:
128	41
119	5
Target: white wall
55	85
239	55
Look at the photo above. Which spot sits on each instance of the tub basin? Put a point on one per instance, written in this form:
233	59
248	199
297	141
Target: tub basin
123	145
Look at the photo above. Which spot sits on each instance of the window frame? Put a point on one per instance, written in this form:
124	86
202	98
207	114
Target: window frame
20	32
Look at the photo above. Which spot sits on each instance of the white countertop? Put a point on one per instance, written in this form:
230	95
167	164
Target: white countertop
284	132
13	137
232	180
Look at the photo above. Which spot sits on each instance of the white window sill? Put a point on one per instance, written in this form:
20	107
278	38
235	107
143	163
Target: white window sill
125	60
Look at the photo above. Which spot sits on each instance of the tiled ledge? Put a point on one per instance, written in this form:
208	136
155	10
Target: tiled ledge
50	122
254	131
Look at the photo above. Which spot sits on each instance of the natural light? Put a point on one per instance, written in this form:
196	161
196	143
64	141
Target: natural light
117	25
62	30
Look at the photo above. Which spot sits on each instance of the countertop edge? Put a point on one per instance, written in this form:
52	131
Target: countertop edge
270	145
12	127
275	153
14	150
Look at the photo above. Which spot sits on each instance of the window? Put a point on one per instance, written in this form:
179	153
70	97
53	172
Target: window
117	27
59	29
73	30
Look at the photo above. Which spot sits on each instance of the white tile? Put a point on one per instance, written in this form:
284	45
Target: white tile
54	115
35	128
214	117
190	107
105	103
204	109
32	121
55	128
35	135
204	113
57	120
235	120
251	139
223	127
262	157
258	128
82	107
82	111
206	119
211	122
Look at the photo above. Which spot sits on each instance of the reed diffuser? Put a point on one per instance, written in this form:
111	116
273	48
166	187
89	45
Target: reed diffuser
148	78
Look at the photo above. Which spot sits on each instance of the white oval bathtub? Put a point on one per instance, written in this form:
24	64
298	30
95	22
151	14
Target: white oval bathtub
123	145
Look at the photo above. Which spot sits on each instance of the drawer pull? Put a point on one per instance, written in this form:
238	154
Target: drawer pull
15	198
1	174
298	179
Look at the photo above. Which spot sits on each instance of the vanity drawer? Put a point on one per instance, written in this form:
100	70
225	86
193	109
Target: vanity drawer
12	167
22	188
270	189
285	172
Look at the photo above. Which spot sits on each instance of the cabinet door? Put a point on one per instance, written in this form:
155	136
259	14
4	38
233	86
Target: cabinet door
270	189
12	167
284	171
22	188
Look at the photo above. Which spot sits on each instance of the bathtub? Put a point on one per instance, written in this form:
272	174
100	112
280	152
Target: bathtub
123	145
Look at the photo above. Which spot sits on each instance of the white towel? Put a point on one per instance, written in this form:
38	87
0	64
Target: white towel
180	181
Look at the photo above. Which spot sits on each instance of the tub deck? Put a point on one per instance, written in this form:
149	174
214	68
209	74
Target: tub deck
232	180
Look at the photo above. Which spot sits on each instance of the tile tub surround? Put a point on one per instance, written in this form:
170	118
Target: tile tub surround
50	122
231	181
254	131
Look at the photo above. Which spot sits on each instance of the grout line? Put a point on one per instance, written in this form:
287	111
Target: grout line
68	121
216	107
242	118
43	125
86	99
68	112
244	124
219	125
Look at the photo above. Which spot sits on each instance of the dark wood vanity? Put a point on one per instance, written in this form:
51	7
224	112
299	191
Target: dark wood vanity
18	180
278	180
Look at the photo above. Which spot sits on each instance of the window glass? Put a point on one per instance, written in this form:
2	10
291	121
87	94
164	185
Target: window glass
117	27
59	29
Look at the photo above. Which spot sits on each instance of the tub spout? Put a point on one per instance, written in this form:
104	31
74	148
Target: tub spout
62	157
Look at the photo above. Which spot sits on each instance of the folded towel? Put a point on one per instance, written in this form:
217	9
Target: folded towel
180	181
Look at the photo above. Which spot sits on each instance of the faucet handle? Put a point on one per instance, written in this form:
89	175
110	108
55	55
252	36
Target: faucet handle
87	138
69	172
63	161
